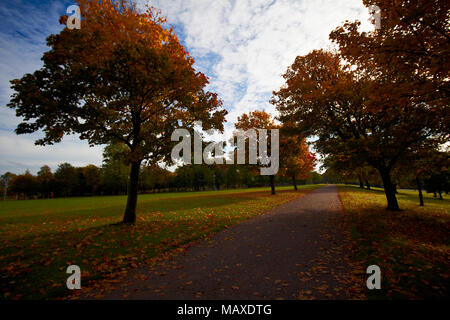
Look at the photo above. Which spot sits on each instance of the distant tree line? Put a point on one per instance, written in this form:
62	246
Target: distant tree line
112	178
426	171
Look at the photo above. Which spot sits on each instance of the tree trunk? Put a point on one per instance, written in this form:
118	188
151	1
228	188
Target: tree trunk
367	184
440	195
294	182
361	184
419	188
272	183
389	190
130	211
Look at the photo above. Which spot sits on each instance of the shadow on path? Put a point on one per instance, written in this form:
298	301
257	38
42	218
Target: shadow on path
295	251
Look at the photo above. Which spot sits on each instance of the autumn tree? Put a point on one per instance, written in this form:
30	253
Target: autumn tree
410	50
122	77
296	161
257	120
385	93
409	58
329	99
24	184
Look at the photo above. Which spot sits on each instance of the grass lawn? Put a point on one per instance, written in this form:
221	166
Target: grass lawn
412	247
40	238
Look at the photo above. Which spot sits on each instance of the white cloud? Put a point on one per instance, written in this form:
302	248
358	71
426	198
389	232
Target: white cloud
20	153
21	47
256	40
242	45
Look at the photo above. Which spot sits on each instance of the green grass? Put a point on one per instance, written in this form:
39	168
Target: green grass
40	238
412	247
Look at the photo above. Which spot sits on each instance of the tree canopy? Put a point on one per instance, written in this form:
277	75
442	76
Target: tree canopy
122	77
375	99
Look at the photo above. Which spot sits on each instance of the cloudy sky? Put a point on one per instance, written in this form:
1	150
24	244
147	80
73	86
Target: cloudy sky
243	46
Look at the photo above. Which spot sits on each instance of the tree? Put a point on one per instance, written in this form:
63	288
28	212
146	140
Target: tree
25	184
45	180
184	177
314	178
233	175
409	59
327	98
257	120
418	166
146	178
67	179
123	77
344	166
411	47
194	176
203	176
114	169
219	176
296	161
92	177
160	177
5	180
438	182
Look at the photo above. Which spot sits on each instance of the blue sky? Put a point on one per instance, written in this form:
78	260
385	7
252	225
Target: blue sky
243	46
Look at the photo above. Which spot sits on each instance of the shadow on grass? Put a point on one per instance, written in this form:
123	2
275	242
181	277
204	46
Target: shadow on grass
34	265
411	246
100	251
144	206
403	194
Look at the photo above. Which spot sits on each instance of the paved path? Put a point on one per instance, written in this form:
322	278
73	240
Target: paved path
295	251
